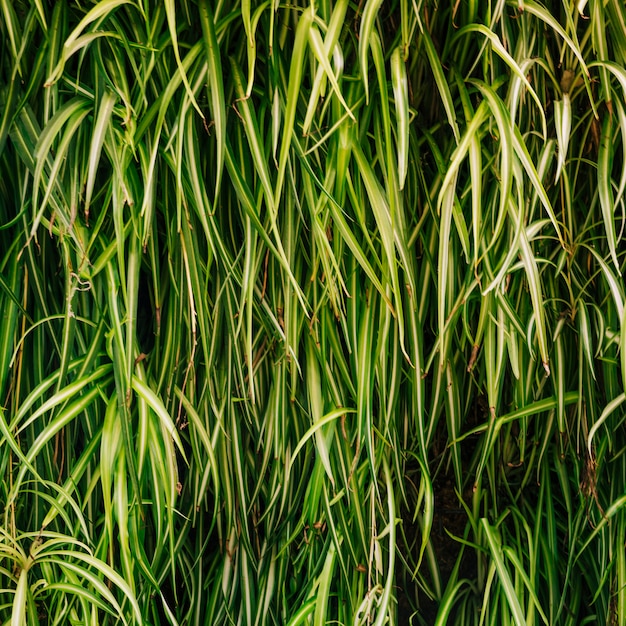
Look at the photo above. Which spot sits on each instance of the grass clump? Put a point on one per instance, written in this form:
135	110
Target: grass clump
312	313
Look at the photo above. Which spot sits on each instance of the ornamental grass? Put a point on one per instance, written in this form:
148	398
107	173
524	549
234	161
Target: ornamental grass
312	313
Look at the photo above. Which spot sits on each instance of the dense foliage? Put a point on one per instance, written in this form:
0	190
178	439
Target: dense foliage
312	313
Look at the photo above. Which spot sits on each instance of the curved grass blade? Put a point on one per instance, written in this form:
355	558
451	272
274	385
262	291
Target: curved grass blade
216	87
495	549
401	100
370	13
